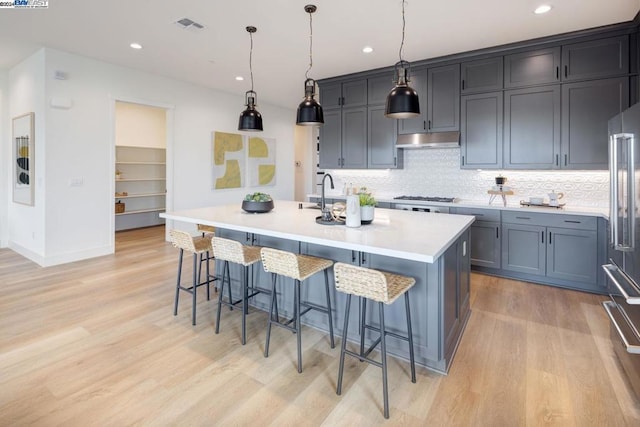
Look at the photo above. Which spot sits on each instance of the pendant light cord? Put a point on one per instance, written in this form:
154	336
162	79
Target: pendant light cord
403	25
250	58
306	74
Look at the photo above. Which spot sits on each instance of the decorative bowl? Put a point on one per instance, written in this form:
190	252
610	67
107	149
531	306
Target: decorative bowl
257	207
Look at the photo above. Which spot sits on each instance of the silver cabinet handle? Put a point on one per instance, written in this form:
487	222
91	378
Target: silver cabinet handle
631	192
613	194
608	305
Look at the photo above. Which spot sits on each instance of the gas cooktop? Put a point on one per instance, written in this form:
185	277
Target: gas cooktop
427	199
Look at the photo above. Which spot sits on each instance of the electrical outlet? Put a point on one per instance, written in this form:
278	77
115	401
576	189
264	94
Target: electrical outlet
76	182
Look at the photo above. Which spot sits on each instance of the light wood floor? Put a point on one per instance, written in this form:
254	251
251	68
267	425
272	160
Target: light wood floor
95	343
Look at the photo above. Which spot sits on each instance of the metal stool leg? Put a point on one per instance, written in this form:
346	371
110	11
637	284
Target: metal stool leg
270	319
298	326
383	351
410	335
226	266
175	305
225	271
363	323
245	285
329	312
208	279
343	346
196	280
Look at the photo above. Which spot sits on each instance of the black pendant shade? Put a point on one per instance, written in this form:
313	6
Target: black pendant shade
402	101
250	119
309	111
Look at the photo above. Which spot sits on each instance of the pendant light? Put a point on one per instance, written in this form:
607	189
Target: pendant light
310	111
402	101
250	119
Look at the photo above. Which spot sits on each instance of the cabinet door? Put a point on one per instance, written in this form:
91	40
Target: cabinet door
586	109
354	93
485	244
572	255
330	137
378	88
354	138
532	128
481	131
597	58
382	133
532	68
330	95
524	248
443	99
451	298
482	75
417	124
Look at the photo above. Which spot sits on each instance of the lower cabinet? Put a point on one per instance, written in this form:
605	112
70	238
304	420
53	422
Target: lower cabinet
485	244
560	248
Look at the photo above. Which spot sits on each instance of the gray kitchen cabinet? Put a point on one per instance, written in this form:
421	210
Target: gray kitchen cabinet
532	128
439	92
594	59
482	75
354	138
523	248
330	156
530	68
586	108
485	236
419	84
561	249
456	291
571	254
481	131
378	88
381	135
443	98
350	93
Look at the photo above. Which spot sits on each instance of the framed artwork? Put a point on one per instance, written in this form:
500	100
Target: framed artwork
241	161
261	161
24	156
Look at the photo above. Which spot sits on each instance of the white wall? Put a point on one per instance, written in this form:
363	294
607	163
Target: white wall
27	94
80	145
5	158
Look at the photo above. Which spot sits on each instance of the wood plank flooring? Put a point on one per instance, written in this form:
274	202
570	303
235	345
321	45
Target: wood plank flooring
95	343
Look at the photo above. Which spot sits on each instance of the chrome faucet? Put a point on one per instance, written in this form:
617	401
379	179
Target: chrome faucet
326	215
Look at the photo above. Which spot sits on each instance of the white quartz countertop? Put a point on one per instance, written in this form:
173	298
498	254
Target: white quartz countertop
416	236
497	204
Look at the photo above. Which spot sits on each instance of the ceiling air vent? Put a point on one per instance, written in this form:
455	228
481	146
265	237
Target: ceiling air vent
188	24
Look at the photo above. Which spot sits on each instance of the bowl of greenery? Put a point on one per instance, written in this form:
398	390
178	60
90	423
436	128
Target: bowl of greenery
257	203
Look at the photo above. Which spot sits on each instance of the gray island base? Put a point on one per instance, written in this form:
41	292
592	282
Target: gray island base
432	248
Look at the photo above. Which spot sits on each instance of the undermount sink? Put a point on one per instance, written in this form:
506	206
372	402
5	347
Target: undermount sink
313	207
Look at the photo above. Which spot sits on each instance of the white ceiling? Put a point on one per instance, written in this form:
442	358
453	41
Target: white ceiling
213	56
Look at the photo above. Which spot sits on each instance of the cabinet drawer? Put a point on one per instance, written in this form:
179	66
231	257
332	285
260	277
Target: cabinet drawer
480	214
550	220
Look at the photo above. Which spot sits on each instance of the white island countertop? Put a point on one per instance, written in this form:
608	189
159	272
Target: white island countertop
408	235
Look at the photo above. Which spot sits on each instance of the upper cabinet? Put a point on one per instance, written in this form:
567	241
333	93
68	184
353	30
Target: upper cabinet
482	75
439	93
532	68
356	134
481	131
596	58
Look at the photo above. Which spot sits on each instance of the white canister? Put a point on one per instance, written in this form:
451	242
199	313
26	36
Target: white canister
353	211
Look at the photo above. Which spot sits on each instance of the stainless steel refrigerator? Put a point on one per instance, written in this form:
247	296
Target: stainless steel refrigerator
623	269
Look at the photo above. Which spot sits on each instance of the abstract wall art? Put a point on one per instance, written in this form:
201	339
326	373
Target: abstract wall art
261	162
24	156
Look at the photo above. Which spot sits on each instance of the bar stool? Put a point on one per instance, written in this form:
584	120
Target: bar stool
196	246
384	288
207	230
299	268
232	251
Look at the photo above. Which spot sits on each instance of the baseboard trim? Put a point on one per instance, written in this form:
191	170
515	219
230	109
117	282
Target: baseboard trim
64	258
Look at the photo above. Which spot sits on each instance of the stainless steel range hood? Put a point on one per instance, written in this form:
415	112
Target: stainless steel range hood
429	140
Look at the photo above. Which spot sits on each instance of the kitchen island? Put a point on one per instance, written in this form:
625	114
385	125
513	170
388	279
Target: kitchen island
432	248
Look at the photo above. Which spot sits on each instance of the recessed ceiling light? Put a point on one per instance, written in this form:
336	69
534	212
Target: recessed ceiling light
367	49
542	9
239	78
136	46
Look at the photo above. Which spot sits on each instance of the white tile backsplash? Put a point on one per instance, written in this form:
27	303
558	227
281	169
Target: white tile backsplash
436	172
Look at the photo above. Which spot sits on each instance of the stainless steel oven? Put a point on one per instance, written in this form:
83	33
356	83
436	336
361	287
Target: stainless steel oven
421	208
